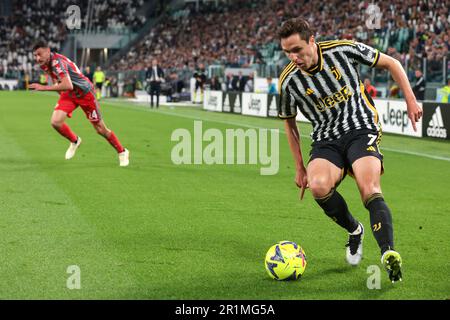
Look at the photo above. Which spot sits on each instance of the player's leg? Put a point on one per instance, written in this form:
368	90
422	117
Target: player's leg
367	168
110	136
92	110
102	130
323	178
58	123
64	109
325	172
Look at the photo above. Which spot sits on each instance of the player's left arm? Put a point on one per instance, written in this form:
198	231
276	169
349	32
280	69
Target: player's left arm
398	74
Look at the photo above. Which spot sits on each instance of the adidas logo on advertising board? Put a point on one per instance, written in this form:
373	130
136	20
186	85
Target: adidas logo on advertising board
436	126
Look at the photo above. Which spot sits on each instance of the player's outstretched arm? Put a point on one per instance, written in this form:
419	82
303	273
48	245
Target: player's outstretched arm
399	75
63	85
293	136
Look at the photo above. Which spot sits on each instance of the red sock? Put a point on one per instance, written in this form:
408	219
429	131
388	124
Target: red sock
115	142
65	131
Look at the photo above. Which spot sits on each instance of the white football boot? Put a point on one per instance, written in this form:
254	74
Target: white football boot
124	158
73	148
354	250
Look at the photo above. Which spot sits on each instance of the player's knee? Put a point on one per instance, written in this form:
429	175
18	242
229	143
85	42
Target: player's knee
368	189
56	124
101	130
320	186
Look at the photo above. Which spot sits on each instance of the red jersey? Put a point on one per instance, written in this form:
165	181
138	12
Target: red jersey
60	67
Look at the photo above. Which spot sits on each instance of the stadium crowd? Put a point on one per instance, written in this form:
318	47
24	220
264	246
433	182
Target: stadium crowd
34	19
234	33
237	33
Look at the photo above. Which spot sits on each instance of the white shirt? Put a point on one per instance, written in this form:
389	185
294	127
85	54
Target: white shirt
155	74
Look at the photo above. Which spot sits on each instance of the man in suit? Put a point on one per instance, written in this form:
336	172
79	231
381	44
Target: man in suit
238	82
88	73
155	75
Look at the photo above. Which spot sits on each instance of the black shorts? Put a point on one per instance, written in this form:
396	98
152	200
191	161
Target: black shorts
349	148
99	85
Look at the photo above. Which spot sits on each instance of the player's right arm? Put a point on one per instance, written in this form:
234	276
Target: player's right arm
288	112
293	136
65	83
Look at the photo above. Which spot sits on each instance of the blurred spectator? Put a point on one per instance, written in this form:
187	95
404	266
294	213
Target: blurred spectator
444	93
200	81
114	87
228	84
271	87
419	86
130	88
215	84
394	91
371	90
249	84
175	88
107	87
88	73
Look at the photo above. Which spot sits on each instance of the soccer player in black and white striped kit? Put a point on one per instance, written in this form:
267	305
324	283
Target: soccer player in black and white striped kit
322	81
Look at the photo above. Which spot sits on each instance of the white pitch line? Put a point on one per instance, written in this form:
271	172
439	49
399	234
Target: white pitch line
411	153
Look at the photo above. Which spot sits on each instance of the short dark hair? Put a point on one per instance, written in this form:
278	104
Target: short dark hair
296	25
40	44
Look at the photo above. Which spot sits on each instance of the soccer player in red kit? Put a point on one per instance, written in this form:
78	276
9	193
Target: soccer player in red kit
75	90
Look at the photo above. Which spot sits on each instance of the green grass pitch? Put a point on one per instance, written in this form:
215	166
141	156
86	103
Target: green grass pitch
156	230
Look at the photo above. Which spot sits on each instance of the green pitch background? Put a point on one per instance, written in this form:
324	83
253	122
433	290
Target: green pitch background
155	230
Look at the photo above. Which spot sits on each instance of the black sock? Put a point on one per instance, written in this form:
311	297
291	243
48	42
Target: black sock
336	208
381	221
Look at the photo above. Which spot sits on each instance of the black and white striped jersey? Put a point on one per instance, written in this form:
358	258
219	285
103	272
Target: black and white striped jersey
331	94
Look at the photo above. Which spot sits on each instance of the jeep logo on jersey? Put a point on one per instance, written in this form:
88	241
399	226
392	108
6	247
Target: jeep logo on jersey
329	102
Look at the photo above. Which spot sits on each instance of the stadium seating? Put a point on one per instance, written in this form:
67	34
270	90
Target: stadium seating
237	33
